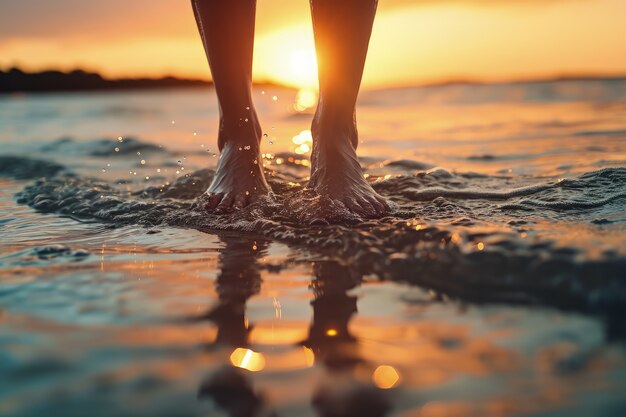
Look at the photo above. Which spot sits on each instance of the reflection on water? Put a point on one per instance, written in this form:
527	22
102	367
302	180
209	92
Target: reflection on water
450	307
176	322
328	343
329	336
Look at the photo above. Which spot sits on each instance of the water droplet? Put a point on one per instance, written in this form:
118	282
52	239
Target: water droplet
263	92
173	122
104	170
265	135
117	149
177	171
138	153
147	177
246	120
108	165
179	162
271	142
214	155
247	108
143	162
273	127
195	133
247	147
158	169
120	139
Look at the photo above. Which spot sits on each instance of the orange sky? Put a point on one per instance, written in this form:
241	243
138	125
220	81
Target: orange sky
414	41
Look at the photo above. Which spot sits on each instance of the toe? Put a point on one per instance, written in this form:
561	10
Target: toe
369	209
213	200
226	204
240	202
354	207
377	206
383	202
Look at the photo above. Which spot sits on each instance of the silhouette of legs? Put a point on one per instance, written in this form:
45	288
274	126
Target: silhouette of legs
342	31
227	31
239	279
329	336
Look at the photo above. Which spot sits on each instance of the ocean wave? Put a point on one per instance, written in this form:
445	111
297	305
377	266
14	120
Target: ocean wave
105	147
445	232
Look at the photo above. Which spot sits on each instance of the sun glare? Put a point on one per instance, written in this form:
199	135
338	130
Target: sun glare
287	56
306	98
303	67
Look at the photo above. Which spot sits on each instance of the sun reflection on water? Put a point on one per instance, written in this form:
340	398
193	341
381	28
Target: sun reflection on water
385	377
303	142
305	99
248	359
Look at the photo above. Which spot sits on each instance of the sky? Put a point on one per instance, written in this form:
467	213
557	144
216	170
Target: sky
413	42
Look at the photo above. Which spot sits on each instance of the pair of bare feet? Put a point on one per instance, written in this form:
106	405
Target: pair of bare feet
335	170
342	30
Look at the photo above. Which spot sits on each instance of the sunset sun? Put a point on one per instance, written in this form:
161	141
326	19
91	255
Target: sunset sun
287	56
302	68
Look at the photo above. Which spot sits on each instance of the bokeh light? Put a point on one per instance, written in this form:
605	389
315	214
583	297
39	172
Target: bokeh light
248	359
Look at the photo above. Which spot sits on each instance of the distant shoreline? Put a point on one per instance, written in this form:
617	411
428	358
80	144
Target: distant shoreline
16	80
556	79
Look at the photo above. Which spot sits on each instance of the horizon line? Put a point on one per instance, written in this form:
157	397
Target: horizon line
268	82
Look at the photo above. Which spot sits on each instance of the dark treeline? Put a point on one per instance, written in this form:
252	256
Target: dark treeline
16	80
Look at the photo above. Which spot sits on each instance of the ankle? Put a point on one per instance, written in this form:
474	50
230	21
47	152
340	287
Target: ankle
334	136
240	131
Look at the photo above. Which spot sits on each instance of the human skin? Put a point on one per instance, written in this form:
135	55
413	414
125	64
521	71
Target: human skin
342	31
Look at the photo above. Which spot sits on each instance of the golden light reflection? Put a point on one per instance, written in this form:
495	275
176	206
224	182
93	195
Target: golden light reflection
385	377
309	356
248	359
305	99
278	311
331	332
303	142
274	333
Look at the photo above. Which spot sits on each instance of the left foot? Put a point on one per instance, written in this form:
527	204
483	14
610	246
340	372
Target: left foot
337	174
239	179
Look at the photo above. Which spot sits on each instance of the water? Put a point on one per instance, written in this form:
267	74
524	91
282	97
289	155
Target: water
496	287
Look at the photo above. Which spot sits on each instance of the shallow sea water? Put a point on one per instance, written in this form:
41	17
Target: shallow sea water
496	287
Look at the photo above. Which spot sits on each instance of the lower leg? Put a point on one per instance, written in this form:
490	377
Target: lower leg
342	31
227	31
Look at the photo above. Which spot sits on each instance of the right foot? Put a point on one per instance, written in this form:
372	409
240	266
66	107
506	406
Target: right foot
239	179
336	173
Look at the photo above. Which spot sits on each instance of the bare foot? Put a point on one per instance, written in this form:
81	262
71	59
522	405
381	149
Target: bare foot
337	174
239	178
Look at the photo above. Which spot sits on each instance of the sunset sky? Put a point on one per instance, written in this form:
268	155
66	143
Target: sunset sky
414	41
